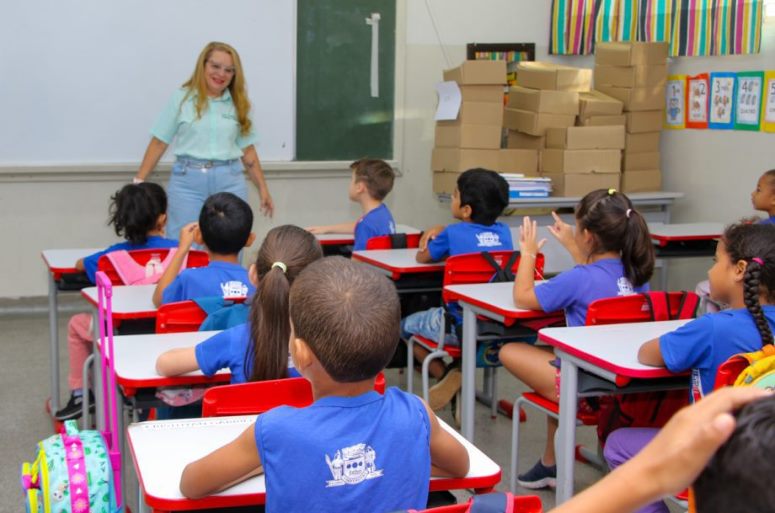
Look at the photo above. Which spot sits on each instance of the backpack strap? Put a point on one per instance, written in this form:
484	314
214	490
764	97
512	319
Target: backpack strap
658	305
687	306
504	273
398	240
498	502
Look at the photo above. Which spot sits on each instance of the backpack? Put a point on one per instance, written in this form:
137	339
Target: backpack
646	409
222	313
497	502
755	369
132	273
72	473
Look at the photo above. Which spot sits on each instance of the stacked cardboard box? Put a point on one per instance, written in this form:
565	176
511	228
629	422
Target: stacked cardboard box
598	109
635	74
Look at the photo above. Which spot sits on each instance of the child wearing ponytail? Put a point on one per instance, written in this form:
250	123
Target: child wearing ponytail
257	350
615	257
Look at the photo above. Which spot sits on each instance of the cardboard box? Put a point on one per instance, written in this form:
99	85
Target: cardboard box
534	123
630	53
581	161
538	100
519	161
477	113
469	136
586	138
644	121
578	185
637	98
619	120
546	75
642	143
595	103
519	140
640	161
642	181
630	76
444	183
482	93
457	160
477	73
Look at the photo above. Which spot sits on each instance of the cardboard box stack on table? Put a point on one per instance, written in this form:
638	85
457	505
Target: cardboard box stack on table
474	138
635	74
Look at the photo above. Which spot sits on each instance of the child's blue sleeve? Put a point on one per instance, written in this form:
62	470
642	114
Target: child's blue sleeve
90	265
362	235
438	248
212	355
688	347
561	291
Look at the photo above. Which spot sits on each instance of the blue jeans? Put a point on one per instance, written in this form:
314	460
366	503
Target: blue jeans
193	181
428	324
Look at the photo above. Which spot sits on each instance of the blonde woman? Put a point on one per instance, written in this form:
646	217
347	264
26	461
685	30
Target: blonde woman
209	116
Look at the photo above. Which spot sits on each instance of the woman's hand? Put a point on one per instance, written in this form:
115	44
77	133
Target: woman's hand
267	205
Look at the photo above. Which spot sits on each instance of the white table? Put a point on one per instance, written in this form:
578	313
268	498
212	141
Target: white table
608	355
494	301
341	239
161	449
58	262
683	240
396	263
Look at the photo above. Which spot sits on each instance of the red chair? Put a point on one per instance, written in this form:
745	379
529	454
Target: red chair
196	258
467	269
523	504
395	241
183	316
615	310
260	396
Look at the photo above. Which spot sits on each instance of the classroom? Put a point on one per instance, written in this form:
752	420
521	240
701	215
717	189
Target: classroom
343	94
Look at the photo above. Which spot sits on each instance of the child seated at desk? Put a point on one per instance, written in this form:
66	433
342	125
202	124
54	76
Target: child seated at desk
224	228
479	198
371	181
615	257
138	212
257	350
344	330
742	276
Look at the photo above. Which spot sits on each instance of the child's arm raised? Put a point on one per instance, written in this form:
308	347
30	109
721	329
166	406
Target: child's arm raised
332	228
524	285
177	361
222	468
187	234
650	354
563	232
448	456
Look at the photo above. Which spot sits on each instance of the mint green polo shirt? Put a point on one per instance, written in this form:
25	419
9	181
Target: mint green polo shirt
214	136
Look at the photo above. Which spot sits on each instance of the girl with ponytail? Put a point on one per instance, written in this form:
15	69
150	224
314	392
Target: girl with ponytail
258	350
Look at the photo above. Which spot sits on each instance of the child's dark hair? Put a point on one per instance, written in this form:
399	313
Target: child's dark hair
771	175
486	192
737	478
376	174
225	222
135	210
349	316
754	244
617	226
285	252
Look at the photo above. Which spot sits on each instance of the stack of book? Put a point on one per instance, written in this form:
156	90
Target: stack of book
521	186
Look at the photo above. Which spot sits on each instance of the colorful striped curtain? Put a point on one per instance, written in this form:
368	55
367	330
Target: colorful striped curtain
692	27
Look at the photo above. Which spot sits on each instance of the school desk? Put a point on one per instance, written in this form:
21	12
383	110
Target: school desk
345	239
494	301
684	240
59	262
161	449
401	266
601	360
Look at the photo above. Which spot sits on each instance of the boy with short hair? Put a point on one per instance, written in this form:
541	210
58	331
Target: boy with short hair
480	197
344	330
371	182
223	229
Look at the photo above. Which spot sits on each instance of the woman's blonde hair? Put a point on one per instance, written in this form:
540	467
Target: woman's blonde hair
197	85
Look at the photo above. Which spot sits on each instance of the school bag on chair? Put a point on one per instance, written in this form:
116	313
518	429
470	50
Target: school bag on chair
755	369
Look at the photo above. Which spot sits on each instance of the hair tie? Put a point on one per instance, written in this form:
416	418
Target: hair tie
627	214
757	260
282	266
611	191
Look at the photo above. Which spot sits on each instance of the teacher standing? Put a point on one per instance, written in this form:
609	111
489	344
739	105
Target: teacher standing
210	117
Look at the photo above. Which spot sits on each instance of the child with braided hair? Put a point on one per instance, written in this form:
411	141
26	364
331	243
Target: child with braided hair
742	276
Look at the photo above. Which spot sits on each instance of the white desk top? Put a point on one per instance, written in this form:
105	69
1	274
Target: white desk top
161	450
613	347
348	238
396	260
493	297
686	231
64	260
129	301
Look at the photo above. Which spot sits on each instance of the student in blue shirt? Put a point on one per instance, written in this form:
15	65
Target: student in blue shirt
352	449
258	349
224	229
478	200
615	257
138	213
371	181
209	118
763	197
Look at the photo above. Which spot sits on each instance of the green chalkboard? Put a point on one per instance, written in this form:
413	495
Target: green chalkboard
336	116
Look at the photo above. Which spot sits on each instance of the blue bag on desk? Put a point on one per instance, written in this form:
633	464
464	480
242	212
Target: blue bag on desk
71	474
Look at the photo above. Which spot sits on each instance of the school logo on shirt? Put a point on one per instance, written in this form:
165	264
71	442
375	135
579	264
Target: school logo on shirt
352	465
234	288
625	287
488	239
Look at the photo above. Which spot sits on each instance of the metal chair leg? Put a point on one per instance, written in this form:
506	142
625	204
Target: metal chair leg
85	401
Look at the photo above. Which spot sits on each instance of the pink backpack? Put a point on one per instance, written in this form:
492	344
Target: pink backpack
133	273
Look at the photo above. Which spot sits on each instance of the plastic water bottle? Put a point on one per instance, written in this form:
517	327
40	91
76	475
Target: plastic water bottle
153	267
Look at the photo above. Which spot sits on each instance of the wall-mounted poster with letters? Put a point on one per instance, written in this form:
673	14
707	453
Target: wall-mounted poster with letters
697	92
748	102
721	115
768	103
675	102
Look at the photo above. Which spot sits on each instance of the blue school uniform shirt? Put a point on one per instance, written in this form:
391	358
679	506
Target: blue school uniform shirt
768	220
90	262
374	223
365	453
575	289
217	279
703	344
460	238
227	350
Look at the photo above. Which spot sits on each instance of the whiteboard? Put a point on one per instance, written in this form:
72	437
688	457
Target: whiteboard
83	82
